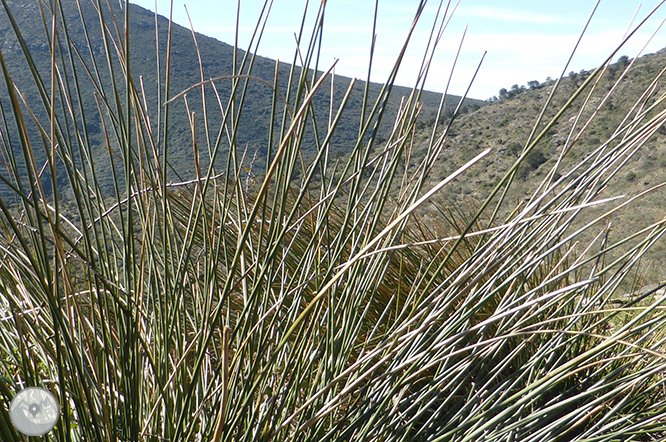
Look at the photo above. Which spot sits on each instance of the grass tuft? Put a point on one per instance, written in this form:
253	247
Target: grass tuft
313	299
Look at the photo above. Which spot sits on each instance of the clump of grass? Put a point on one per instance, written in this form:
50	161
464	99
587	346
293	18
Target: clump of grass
316	303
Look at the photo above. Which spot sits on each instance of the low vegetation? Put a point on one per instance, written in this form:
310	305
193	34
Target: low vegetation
322	297
622	93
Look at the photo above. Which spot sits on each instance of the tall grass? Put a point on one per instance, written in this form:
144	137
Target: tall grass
317	303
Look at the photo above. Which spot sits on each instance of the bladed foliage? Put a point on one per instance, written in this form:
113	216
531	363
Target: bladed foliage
312	299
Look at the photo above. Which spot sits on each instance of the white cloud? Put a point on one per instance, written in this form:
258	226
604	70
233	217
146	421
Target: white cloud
519	16
511	59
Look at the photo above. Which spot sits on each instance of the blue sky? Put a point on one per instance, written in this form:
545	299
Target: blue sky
525	39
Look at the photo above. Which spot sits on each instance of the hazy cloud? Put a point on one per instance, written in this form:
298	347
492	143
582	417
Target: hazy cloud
519	16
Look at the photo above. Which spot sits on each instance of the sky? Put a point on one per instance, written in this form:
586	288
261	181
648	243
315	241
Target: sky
523	40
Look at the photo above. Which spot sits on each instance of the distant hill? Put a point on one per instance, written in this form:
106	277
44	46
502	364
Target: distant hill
504	126
217	60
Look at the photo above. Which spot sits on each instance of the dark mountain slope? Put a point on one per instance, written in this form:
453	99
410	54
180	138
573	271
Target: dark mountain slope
79	26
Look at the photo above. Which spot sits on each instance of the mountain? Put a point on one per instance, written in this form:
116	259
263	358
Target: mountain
628	94
82	50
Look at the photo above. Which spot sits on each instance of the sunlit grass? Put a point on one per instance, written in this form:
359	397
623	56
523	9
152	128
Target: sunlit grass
310	300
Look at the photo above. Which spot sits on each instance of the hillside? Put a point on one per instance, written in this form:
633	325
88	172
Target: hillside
603	109
87	43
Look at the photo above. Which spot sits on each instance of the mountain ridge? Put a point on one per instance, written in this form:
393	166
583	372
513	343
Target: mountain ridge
79	23
628	92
